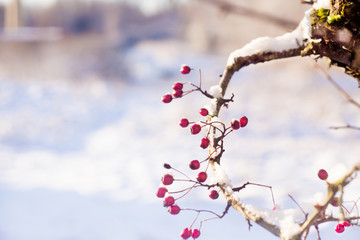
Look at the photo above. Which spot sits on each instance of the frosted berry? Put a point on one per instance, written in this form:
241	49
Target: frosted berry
186	233
194	164
202	176
167	179
174	209
185	69
214	194
204	112
161	192
195	233
178	86
346	224
205	142
167	98
243	121
235	124
184	122
195	129
177	93
339	228
322	174
169	201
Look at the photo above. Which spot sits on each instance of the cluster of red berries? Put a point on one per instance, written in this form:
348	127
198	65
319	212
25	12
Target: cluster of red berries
195	128
340	227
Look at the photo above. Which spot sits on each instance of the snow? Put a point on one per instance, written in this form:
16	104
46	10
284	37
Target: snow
322	4
291	40
215	91
220	176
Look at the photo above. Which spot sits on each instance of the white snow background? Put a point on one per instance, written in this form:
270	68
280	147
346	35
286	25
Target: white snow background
83	161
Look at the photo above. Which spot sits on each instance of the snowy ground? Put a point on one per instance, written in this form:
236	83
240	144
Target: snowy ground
83	161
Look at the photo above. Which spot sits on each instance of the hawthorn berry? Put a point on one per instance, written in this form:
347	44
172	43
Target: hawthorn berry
174	209
184	122
235	124
186	233
322	174
161	192
205	142
202	176
185	69
194	164
169	201
178	86
167	179
177	93
195	233
339	228
204	112
214	194
167	98
335	202
346	224
195	129
243	121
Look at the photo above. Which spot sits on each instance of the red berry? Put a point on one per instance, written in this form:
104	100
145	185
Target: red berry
184	122
346	224
194	164
243	121
178	86
235	124
167	179
161	192
195	129
177	93
202	176
169	201
185	69
195	233
174	209
335	202
205	142
186	233
322	174
339	228
214	194
167	98
204	112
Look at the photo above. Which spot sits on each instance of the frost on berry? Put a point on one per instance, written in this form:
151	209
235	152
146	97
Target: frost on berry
167	98
184	122
202	176
339	228
177	93
161	192
178	86
346	224
195	233
185	69
167	179
243	121
195	129
322	174
204	112
174	210
169	201
214	194
194	164
235	124
205	142
186	233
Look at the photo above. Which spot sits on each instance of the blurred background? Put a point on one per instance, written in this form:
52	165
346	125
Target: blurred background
84	134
